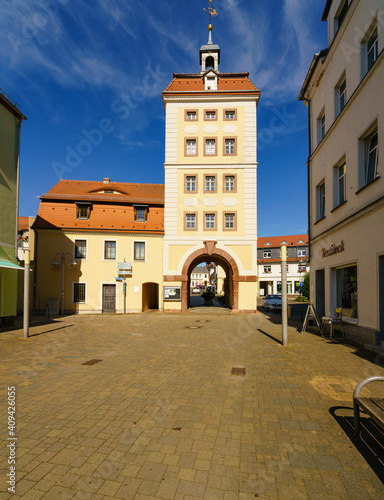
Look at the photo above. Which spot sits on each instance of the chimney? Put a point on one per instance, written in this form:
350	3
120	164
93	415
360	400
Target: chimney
106	180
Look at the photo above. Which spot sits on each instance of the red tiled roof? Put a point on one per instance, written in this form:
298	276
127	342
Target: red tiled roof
23	223
227	82
110	212
94	190
103	217
276	241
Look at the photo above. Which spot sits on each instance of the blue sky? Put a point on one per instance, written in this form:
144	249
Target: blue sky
92	72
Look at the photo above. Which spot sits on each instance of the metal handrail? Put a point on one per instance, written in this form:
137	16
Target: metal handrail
356	394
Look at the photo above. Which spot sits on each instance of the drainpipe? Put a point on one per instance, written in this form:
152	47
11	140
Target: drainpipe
17	186
308	101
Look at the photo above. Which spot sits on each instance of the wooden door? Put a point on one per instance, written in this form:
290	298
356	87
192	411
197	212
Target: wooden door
109	298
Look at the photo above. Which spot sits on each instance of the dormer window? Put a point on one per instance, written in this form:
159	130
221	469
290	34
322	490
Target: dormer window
211	82
83	210
141	213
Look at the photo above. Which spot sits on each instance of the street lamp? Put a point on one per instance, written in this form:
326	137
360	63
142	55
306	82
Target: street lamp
56	263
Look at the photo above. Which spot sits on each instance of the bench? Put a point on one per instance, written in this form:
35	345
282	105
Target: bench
374	407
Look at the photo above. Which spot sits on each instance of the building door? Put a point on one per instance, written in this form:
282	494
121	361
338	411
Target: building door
109	298
381	293
320	293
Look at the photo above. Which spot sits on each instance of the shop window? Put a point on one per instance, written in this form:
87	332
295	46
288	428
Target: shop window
346	291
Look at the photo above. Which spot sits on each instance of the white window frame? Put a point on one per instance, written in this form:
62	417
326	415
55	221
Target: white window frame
266	271
145	251
73	291
339	181
301	253
190	181
340	95
210	146
191	115
191	148
320	200
188	222
210	114
210	183
267	254
230	115
210	219
229	221
229	183
104	248
366	150
337	21
321	126
230	146
86	249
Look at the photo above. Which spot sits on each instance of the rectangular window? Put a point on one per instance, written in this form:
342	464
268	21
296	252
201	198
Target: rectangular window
141	214
139	250
320	200
372	49
210	183
190	221
371	155
190	183
210	221
340	185
301	253
229	114
267	270
83	211
80	249
191	147
341	15
230	147
210	146
267	254
346	291
321	127
110	250
342	95
191	115
229	183
230	221
210	115
79	293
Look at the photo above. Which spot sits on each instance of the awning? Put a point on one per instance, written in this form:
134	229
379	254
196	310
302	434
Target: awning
10	265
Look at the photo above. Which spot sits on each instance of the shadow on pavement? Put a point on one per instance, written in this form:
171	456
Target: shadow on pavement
270	336
49	331
371	444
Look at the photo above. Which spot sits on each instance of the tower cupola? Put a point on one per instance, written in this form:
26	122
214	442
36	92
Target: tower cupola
210	53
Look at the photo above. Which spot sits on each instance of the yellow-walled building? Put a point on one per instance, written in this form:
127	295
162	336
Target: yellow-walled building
98	248
210	180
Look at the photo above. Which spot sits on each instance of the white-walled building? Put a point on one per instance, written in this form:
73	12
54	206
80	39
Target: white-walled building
269	263
344	92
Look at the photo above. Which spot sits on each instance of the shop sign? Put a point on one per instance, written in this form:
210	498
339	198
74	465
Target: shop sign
331	251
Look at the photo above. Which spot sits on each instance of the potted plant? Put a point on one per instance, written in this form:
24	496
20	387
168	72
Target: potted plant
208	298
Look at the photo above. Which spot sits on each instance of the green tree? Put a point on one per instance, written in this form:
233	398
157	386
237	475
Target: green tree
306	286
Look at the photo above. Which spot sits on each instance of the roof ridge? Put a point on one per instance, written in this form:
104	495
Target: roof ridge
115	182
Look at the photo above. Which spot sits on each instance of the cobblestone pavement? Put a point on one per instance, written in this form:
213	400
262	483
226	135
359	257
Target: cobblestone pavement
162	416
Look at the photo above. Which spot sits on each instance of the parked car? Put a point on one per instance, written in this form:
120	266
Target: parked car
272	301
196	290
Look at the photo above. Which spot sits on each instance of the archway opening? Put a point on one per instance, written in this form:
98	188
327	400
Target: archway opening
150	296
211	273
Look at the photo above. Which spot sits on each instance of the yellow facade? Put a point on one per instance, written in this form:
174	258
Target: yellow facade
201	128
95	271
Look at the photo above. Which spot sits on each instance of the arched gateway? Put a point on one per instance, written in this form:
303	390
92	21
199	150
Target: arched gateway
210	181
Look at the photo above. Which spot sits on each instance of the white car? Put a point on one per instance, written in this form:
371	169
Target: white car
272	302
196	290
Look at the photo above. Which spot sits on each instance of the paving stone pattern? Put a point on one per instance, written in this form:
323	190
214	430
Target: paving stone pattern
162	417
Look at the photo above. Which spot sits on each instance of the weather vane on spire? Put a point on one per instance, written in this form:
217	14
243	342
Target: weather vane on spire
212	13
